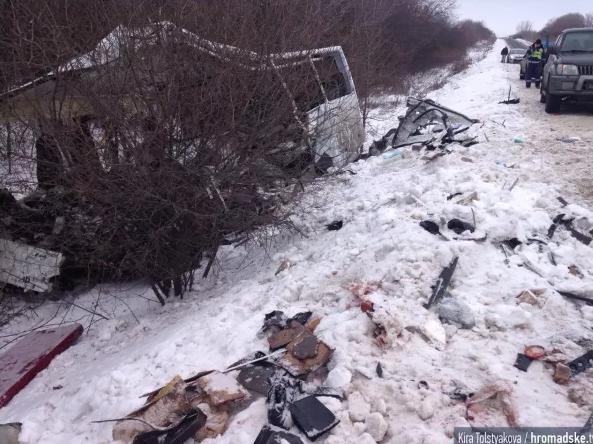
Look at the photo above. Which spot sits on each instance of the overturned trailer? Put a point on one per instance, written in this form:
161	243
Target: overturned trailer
131	143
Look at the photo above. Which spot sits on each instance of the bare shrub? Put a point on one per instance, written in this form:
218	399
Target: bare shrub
160	146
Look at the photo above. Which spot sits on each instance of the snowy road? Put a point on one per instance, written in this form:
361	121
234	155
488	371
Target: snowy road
383	245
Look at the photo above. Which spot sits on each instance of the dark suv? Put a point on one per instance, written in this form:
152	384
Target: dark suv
568	72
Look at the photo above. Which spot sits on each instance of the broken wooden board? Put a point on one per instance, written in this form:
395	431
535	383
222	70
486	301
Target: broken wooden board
32	354
28	267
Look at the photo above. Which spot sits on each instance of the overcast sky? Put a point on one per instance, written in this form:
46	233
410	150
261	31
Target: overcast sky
502	16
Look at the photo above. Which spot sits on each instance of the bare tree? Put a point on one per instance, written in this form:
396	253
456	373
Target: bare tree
524	26
589	20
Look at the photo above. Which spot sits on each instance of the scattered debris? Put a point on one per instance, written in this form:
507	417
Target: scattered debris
32	354
532	297
581	364
562	374
491	406
427	124
460	227
568	224
569	139
440	288
455	312
569	295
335	226
9	433
454	195
535	352
201	407
379	370
519	140
523	362
510	102
176	434
469	199
562	201
27	267
269	436
431	227
312	417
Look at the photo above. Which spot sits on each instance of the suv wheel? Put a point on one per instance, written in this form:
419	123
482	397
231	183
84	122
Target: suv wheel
553	103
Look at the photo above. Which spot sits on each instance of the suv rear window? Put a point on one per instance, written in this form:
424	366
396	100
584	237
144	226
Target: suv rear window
578	41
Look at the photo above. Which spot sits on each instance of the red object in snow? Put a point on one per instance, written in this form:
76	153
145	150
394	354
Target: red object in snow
32	354
367	306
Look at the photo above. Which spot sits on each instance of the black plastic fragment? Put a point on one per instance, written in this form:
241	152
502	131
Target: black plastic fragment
562	201
581	364
431	227
282	393
301	318
312	417
583	238
454	195
459	226
379	370
274	319
577	297
335	226
510	102
440	288
256	379
178	434
523	362
512	243
269	436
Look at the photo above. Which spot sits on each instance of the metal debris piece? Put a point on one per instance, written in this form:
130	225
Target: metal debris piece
302	318
460	227
177	434
562	374
335	226
379	370
27	267
283	392
535	352
274	319
568	224
581	364
566	294
431	227
562	201
9	433
256	379
284	337
523	362
312	417
440	288
269	436
305	346
222	388
299	367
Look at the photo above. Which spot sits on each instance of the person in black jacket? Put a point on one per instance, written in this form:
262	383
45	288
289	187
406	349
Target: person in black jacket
504	53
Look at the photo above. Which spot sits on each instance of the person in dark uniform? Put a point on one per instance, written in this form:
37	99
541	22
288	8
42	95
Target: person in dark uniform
504	53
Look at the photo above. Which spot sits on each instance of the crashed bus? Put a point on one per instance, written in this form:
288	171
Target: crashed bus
234	124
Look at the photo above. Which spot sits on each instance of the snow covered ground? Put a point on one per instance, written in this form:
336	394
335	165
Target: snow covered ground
381	245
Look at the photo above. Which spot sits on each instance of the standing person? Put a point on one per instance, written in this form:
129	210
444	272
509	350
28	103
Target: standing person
535	53
504	53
